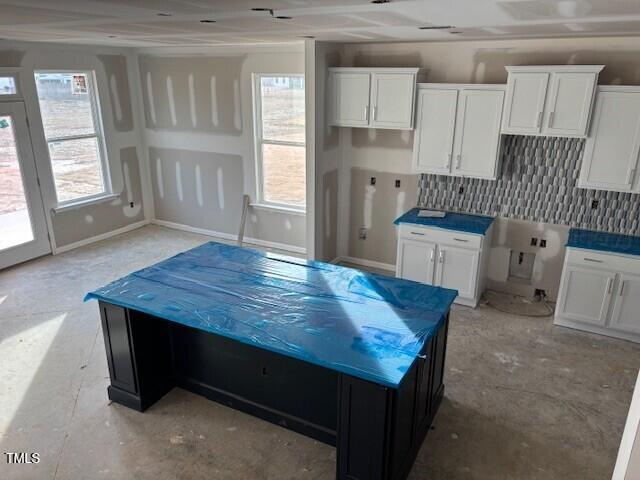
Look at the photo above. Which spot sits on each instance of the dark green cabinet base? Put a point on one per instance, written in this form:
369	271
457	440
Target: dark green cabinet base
377	430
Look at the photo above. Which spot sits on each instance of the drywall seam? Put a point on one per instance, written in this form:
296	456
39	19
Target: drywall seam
199	196
159	177
98	238
179	182
116	97
220	182
172	101
152	105
192	101
229	236
214	101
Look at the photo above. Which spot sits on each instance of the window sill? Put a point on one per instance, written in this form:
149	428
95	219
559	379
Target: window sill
278	208
84	202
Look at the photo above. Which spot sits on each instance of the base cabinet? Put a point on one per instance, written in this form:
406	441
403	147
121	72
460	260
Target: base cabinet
600	293
444	258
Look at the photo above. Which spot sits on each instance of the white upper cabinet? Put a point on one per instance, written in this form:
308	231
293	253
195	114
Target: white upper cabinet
550	100
477	136
373	97
435	125
350	98
524	104
610	159
458	130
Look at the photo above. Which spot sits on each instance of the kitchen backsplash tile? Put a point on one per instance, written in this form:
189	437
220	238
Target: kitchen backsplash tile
537	182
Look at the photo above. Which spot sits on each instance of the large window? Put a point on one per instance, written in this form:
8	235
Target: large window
280	137
73	130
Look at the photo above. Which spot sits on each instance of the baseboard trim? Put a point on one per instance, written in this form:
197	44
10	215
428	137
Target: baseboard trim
87	241
365	263
230	236
607	332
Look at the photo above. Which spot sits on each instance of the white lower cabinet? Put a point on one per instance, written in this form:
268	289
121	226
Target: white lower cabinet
444	258
600	293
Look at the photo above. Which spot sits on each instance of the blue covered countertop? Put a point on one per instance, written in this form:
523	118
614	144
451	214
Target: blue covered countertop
603	241
366	325
460	222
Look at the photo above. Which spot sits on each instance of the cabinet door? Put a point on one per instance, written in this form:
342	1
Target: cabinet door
392	99
524	105
350	102
585	294
477	135
415	260
610	156
458	269
569	104
433	138
626	309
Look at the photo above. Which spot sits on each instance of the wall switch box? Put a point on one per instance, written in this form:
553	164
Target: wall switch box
397	183
543	243
362	233
534	241
373	180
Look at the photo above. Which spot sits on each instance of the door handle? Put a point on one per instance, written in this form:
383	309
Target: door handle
592	260
366	112
441	257
418	233
448	164
461	240
609	285
539	122
622	288
432	255
458	159
375	112
551	118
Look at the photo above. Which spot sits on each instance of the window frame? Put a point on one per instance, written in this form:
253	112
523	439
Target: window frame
96	114
259	141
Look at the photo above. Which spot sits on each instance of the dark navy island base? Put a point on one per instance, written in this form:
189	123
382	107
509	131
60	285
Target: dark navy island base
351	359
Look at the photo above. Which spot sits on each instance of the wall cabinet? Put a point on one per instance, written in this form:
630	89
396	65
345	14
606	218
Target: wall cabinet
550	100
600	293
610	159
458	130
444	258
372	97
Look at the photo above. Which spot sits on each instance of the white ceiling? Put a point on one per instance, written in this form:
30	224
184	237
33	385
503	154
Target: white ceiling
175	23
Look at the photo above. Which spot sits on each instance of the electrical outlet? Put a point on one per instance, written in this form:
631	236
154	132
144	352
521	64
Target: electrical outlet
373	180
543	243
397	183
130	204
534	241
594	204
362	234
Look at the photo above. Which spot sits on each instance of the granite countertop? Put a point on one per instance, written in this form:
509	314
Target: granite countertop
460	222
603	241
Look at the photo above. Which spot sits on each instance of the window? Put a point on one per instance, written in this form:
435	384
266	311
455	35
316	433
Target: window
280	140
73	131
8	86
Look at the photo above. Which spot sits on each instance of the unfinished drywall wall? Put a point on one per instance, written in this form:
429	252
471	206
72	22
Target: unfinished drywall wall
123	146
389	151
199	129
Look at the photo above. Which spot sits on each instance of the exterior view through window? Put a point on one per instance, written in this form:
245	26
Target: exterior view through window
280	140
7	86
73	132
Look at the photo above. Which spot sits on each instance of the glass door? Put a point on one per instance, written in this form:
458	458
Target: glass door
23	229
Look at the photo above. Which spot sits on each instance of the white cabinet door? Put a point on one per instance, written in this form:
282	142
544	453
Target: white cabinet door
458	269
350	99
415	260
477	135
433	139
585	294
524	105
569	103
626	309
610	158
392	97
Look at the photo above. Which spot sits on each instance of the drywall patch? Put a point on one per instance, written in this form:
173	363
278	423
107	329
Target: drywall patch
127	182
115	67
131	209
172	101
327	212
179	182
287	224
401	198
150	100
159	179
369	192
214	101
192	101
220	177
214	112
199	196
88	219
254	218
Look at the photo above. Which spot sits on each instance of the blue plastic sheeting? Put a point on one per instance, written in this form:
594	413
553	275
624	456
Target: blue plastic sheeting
365	325
603	241
460	222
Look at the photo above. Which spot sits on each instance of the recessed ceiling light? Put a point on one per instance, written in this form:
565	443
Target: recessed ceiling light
437	27
164	14
207	21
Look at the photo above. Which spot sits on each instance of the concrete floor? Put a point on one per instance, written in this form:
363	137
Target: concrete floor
524	399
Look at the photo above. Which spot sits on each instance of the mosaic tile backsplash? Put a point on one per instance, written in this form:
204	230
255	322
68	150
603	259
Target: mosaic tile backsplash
537	182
